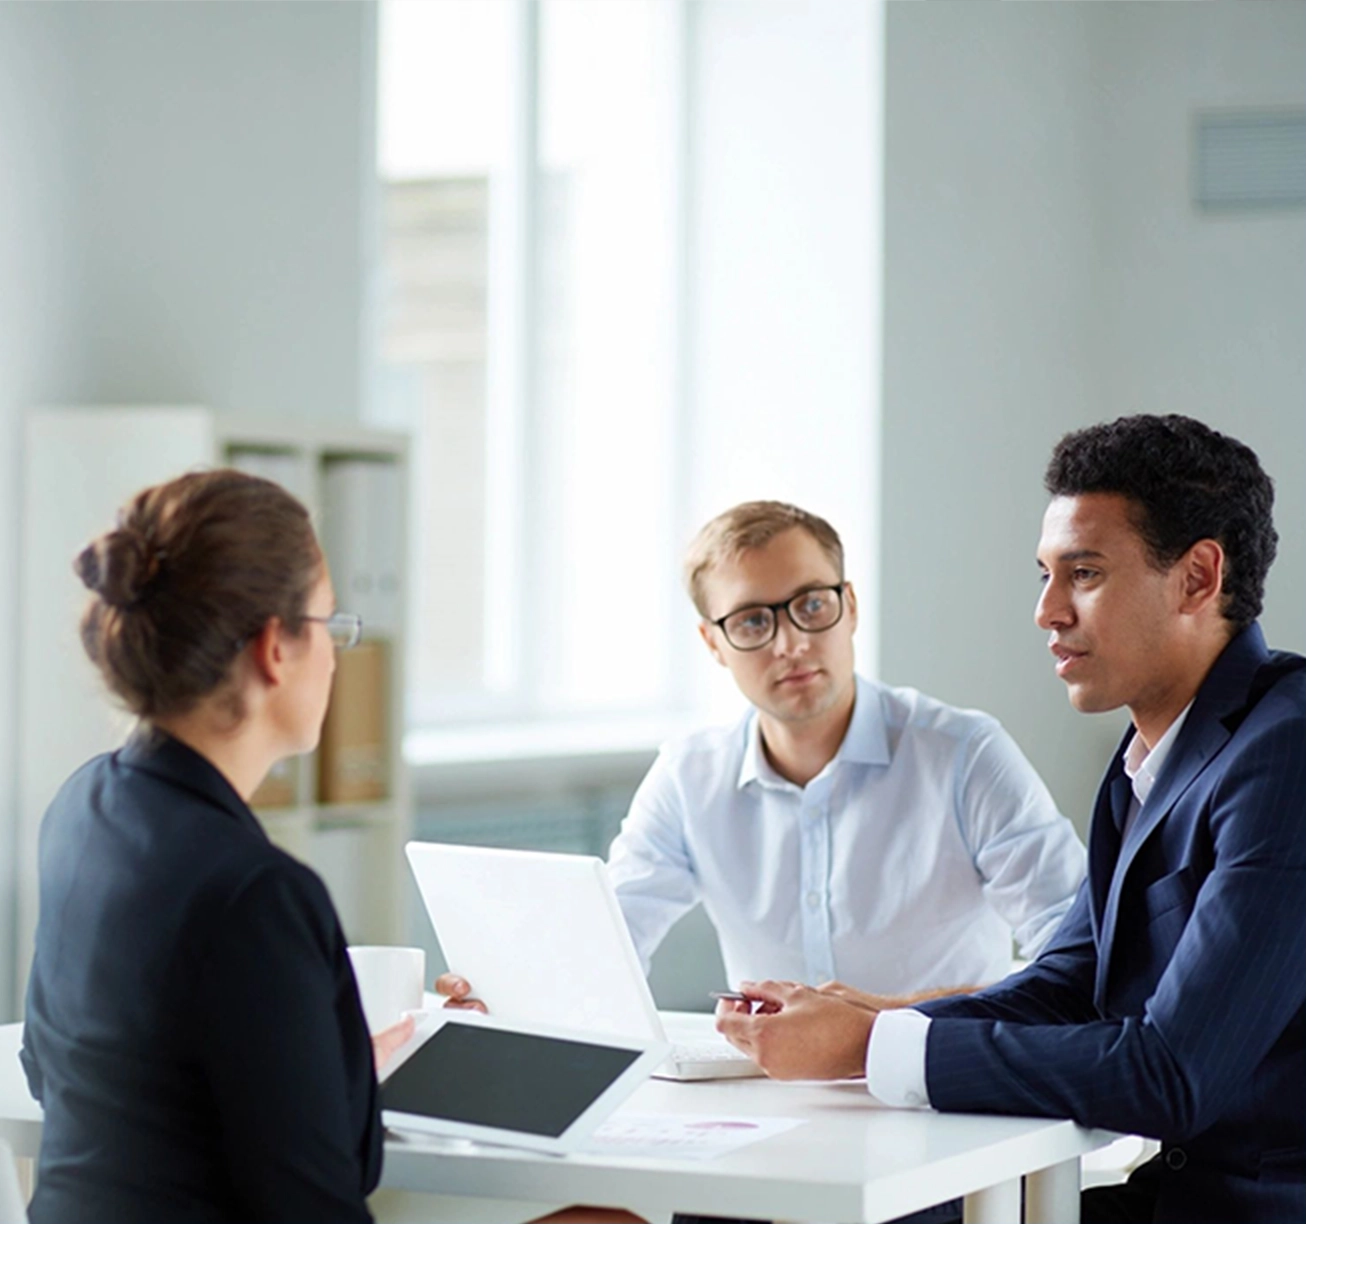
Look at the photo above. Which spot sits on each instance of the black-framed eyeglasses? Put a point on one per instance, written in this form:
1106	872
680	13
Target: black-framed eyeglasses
753	627
343	628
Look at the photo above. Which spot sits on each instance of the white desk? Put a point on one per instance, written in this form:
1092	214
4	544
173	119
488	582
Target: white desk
853	1160
20	1115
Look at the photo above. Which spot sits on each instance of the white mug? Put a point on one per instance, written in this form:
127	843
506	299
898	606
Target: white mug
390	981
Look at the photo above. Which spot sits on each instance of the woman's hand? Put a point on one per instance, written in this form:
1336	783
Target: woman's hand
390	1039
457	992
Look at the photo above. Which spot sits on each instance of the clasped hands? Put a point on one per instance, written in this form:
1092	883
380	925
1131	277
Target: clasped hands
796	1032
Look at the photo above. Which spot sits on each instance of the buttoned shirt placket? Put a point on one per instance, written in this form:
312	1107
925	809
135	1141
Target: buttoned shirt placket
815	868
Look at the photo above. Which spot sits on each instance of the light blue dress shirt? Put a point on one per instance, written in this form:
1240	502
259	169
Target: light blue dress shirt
908	863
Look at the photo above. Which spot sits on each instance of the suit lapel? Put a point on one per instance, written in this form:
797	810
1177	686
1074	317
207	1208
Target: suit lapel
1200	739
1224	691
1105	861
1107	821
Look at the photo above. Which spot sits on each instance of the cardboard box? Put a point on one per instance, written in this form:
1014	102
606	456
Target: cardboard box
353	759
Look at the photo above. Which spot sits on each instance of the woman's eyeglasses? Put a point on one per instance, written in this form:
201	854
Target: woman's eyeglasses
343	628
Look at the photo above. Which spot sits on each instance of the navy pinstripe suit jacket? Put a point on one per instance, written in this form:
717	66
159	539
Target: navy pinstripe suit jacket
1172	1001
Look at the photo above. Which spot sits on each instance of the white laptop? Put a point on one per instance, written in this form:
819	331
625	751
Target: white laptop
541	938
471	1076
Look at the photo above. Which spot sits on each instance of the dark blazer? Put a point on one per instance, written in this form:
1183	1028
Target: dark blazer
193	1029
1172	1001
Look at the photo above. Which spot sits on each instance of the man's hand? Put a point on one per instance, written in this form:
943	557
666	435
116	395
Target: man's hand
874	1001
457	992
390	1039
798	1033
862	1000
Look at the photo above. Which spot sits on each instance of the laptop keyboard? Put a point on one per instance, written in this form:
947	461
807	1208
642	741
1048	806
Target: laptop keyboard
705	1051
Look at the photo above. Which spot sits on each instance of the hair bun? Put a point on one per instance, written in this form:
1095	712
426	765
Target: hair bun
119	567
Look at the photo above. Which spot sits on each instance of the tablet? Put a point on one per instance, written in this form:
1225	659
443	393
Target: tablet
541	1087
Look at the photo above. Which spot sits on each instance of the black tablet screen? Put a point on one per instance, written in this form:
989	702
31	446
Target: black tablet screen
504	1079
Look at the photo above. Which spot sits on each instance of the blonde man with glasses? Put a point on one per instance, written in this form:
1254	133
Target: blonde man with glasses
843	833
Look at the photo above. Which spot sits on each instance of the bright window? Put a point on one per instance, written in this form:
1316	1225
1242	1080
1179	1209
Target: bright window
528	328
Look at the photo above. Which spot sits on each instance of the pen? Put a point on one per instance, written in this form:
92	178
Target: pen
728	996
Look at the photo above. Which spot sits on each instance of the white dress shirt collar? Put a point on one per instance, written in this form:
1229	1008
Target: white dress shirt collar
865	742
1143	764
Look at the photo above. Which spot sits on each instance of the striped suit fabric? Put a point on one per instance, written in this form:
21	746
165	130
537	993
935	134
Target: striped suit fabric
1172	1001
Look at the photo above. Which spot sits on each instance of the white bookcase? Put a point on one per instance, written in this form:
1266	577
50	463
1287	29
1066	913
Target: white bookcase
80	465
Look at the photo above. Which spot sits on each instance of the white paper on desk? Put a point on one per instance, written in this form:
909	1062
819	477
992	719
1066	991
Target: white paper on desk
682	1136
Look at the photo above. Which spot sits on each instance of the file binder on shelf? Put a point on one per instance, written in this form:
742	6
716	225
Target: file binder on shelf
360	512
353	753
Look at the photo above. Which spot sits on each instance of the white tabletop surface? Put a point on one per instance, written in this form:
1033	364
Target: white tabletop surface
852	1160
20	1115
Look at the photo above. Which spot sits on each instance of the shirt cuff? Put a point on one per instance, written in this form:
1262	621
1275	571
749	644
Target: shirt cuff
896	1058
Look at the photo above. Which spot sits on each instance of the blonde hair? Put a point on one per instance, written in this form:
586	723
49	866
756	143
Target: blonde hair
750	526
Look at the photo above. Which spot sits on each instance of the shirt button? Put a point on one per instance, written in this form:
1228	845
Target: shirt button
1175	1158
812	899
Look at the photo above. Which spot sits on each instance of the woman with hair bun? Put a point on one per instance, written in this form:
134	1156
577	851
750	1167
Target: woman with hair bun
193	1029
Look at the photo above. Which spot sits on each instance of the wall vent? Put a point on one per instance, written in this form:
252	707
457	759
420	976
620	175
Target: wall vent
1250	159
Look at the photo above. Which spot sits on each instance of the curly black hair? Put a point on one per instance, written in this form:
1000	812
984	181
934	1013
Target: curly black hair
1186	483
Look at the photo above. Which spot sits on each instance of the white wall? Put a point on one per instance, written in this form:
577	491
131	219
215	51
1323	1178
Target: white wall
37	350
1044	270
224	181
1205	314
183	218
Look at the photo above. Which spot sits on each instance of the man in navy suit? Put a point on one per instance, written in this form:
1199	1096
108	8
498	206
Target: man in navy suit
1172	1001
